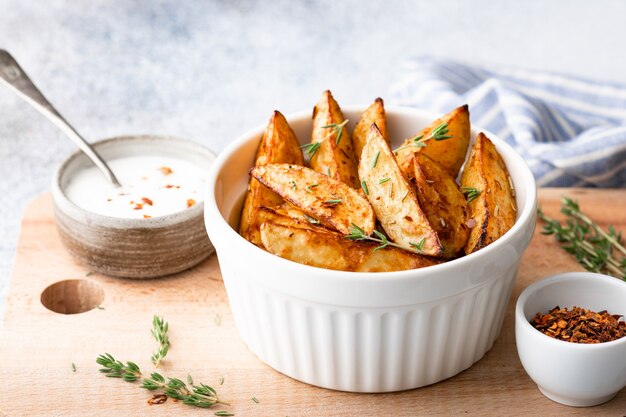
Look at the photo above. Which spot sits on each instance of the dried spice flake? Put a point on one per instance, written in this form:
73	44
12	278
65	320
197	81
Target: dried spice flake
580	325
190	202
166	170
157	399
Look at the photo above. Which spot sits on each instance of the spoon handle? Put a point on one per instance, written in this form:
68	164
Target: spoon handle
15	77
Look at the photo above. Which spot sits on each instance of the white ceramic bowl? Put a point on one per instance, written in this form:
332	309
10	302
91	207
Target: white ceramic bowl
363	332
133	248
575	374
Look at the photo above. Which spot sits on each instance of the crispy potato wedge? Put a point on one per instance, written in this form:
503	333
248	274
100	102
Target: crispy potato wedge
322	248
285	214
442	202
331	202
335	155
278	145
374	114
393	198
289	210
494	209
449	153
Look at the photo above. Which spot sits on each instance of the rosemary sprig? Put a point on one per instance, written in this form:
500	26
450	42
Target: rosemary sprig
159	332
383	180
311	148
337	128
311	219
364	187
334	201
419	141
357	233
375	160
470	193
113	368
309	188
202	395
593	247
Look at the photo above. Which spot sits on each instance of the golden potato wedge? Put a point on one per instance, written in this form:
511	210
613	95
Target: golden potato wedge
285	214
331	202
492	205
442	202
331	151
319	247
278	145
374	114
289	210
449	153
394	199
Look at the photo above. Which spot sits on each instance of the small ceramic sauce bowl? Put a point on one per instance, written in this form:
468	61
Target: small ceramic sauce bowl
133	248
574	374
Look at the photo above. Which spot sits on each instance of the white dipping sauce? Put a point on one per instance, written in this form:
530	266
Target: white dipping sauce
151	186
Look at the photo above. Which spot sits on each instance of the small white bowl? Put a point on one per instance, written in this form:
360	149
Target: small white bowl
364	332
574	374
133	248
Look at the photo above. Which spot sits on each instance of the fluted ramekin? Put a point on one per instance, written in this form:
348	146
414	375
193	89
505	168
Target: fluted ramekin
364	332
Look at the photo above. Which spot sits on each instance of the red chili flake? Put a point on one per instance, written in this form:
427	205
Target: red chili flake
138	206
145	216
190	202
168	186
157	399
146	201
580	325
166	170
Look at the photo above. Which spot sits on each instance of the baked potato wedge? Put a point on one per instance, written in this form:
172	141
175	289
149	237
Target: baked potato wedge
331	151
446	141
491	199
374	114
322	248
443	204
278	145
393	198
329	201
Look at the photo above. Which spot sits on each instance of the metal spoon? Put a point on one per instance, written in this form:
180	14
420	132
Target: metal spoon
13	75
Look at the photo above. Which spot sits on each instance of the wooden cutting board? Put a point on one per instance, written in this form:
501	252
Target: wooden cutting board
38	346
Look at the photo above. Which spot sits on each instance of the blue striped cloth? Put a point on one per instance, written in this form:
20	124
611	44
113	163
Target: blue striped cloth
571	131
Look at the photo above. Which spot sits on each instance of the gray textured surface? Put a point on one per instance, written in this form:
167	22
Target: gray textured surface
210	70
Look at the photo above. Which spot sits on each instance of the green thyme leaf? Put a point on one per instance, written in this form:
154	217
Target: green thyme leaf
470	193
375	160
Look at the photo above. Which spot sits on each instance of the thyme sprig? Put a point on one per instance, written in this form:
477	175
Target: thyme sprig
201	395
419	141
594	248
337	128
113	368
470	193
159	332
357	233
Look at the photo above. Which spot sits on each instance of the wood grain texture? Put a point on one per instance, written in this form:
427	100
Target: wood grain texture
38	346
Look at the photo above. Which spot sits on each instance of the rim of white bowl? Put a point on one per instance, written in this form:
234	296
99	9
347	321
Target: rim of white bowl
74	210
564	278
525	215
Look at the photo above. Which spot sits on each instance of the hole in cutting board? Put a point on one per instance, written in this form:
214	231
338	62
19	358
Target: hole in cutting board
72	296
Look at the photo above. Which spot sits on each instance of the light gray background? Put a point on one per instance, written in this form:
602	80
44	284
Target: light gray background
210	70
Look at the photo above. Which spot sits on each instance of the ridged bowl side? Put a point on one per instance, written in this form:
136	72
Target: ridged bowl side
367	350
137	252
